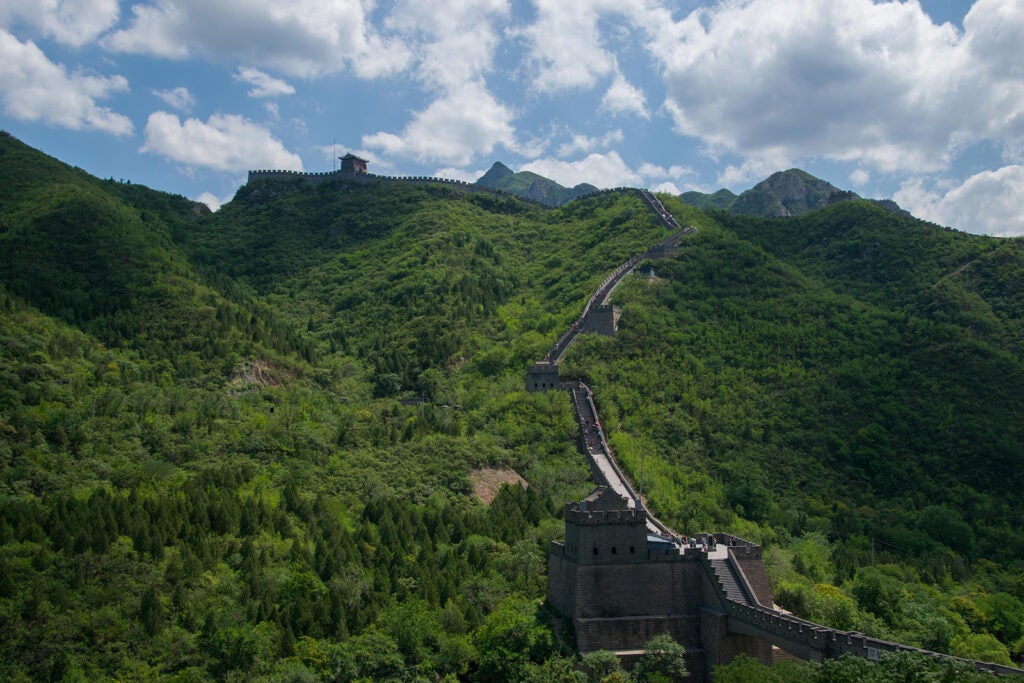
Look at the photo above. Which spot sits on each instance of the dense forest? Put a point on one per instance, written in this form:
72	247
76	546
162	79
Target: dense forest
241	445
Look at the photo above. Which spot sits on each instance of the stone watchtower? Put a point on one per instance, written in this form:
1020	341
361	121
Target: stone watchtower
542	376
621	584
350	163
603	319
618	584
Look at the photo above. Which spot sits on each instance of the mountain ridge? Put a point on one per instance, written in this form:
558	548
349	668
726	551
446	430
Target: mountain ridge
529	185
782	194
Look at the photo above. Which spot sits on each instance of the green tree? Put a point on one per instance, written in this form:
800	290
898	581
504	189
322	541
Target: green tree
601	665
663	660
982	647
509	639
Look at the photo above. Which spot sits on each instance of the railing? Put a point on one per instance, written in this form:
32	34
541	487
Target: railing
834	643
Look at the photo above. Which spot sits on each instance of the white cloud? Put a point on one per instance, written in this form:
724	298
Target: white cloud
453	44
584	143
859	177
624	98
752	169
452	40
876	83
601	170
459	174
566	50
303	38
32	88
213	201
178	98
988	203
225	142
72	22
673	172
453	129
264	85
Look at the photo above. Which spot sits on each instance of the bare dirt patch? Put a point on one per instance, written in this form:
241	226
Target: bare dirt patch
488	480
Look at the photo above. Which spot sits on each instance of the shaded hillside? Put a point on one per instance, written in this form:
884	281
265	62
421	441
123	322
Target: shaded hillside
531	186
905	264
239	446
785	193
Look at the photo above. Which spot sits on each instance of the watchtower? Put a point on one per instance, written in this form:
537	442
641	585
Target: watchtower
620	585
604	320
542	376
350	163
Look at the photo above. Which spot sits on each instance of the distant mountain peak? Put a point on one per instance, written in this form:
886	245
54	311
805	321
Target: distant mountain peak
783	193
496	174
529	185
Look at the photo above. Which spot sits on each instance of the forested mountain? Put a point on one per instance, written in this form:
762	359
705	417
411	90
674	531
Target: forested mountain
784	193
529	185
240	445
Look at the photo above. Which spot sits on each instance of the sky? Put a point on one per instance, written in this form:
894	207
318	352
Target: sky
917	101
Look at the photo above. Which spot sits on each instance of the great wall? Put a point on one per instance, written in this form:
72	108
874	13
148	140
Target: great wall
621	576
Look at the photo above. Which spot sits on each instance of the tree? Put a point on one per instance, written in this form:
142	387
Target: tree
981	646
509	638
602	665
663	660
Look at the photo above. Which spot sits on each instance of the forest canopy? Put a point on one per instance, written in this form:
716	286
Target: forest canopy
238	446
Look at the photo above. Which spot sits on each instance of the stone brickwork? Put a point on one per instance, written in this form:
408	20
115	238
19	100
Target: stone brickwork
542	376
619	586
603	320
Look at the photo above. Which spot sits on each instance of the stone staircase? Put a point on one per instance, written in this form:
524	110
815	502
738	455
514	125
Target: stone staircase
730	582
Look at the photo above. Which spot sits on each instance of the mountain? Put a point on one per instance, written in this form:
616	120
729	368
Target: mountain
241	445
785	193
531	186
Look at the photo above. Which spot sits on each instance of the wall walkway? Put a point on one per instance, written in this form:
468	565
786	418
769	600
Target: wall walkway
734	568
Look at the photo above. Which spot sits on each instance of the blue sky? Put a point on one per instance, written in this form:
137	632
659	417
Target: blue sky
922	102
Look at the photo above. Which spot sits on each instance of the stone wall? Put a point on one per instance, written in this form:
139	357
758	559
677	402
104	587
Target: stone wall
542	376
748	563
603	320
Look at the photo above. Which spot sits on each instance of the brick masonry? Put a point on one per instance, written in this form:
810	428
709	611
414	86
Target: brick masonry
619	590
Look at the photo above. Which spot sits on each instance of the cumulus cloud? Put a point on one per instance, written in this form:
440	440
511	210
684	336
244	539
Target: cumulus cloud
459	174
624	98
303	38
585	143
752	169
452	130
671	178
225	142
32	88
566	45
178	98
859	177
263	84
453	49
875	83
452	42
987	203
602	170
72	22
213	201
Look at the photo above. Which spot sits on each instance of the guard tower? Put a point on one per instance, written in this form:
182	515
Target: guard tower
604	320
620	585
542	376
350	163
